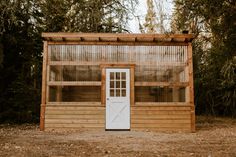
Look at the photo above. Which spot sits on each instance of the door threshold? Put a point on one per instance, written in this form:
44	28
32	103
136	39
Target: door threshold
117	129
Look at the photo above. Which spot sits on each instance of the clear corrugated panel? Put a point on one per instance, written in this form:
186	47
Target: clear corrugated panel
153	64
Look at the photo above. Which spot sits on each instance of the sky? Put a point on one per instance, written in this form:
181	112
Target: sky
141	11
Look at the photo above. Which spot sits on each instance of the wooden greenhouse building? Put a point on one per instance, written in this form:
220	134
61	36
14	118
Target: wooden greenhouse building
117	82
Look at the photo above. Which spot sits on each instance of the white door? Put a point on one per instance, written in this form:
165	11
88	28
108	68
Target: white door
117	99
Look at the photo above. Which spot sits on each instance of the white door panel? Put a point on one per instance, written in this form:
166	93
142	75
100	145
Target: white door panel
117	99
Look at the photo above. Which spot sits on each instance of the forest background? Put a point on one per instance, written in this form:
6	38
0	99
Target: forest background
22	22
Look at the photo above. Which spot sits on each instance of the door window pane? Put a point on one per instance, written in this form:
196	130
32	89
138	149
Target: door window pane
112	76
123	84
112	84
117	84
123	76
118	93
118	75
123	93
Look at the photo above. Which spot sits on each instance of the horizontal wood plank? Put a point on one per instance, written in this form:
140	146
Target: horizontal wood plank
74	112
73	108
68	116
163	84
161	108
163	125
158	112
72	121
160	116
156	122
74	83
74	125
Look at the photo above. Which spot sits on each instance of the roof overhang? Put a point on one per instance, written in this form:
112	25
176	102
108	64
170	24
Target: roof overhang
117	37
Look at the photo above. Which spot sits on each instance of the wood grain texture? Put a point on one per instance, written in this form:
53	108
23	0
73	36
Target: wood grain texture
44	85
164	118
74	116
191	86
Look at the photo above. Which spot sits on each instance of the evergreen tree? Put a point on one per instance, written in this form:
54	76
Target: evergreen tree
214	52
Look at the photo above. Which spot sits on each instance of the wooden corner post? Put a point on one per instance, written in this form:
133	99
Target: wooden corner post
191	86
44	78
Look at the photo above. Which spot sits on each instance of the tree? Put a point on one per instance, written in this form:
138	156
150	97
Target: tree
21	25
150	24
214	52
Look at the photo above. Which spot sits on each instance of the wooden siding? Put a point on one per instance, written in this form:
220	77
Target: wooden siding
74	116
144	116
161	118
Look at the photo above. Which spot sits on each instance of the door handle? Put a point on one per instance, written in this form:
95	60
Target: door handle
107	98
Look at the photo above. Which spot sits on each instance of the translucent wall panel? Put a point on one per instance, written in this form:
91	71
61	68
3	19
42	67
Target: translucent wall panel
159	94
138	54
166	64
75	73
74	94
153	63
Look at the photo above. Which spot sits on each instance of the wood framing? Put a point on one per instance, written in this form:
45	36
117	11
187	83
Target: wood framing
75	81
43	96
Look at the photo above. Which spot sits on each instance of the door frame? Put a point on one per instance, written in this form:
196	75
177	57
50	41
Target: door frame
124	102
103	85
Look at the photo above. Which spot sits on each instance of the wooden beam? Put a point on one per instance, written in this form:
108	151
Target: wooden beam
168	104
44	78
191	86
128	43
132	94
162	84
103	88
74	83
112	35
116	63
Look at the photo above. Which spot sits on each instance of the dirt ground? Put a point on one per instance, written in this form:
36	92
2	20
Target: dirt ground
214	137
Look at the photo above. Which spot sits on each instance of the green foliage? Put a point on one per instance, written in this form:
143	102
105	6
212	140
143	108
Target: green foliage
214	52
21	25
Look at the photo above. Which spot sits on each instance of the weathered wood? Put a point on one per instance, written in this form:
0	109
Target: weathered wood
44	77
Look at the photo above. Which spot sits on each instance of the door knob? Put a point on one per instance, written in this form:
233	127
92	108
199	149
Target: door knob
107	98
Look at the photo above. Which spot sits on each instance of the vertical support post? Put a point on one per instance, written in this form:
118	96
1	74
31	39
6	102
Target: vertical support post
59	94
44	84
176	89
132	86
103	84
191	86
